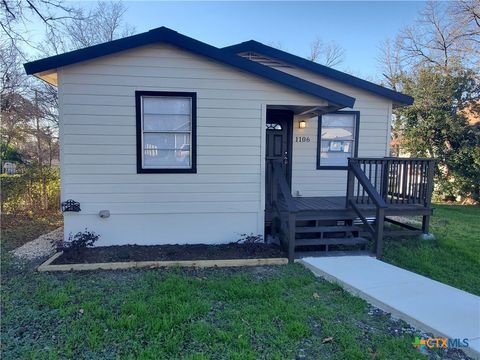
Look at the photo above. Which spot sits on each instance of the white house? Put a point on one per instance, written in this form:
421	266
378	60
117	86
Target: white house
177	140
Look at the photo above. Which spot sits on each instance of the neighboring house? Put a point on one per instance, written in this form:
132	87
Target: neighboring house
9	167
183	142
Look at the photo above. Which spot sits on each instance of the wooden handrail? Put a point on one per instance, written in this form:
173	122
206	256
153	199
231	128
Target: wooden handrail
279	179
391	158
355	171
389	180
280	185
366	184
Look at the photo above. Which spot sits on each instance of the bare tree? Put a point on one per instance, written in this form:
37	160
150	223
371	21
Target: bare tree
105	22
12	76
390	63
465	14
14	104
15	15
444	35
329	54
29	106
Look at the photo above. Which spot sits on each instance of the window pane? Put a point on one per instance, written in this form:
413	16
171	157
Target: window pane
166	122
334	159
160	141
336	146
167	158
338	120
166	105
337	139
338	133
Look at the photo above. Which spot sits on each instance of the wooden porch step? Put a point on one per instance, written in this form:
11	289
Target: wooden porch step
399	233
333	215
331	241
327	229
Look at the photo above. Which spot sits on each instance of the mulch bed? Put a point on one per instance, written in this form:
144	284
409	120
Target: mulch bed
125	253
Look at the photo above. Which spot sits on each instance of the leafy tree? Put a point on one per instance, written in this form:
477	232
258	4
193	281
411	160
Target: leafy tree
436	126
10	153
436	61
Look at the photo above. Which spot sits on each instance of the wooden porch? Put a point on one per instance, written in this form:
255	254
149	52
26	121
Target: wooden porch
377	189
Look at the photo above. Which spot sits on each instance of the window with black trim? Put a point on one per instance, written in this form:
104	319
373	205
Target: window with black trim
337	139
166	132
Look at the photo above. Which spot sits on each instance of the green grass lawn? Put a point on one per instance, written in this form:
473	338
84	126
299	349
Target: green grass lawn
266	312
281	312
453	258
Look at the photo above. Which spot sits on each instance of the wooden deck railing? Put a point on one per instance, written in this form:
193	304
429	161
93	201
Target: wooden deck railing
397	180
382	182
388	181
283	206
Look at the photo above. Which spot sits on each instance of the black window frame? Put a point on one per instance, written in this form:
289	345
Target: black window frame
355	139
193	150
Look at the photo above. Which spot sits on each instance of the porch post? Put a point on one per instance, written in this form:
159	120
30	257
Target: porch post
380	218
350	185
428	196
385	176
292	219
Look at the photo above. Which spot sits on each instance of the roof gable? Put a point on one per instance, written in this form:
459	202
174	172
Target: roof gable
262	49
166	35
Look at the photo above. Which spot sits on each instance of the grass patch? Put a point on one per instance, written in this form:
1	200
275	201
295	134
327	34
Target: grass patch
453	258
265	312
272	312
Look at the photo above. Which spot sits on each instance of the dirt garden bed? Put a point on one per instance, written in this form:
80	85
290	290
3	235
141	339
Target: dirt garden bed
134	256
169	253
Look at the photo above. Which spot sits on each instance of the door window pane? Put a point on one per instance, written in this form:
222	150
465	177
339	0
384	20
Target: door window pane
274	126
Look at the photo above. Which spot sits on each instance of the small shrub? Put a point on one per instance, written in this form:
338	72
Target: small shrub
80	241
34	191
249	241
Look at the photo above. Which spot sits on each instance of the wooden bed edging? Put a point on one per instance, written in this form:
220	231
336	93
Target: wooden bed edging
47	265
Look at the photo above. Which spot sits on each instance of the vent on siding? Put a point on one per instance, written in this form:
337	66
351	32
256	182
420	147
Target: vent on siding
264	60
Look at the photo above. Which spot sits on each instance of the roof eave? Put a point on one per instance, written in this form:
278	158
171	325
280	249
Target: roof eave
169	36
255	46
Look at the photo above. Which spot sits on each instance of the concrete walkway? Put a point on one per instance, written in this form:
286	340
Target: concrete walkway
424	303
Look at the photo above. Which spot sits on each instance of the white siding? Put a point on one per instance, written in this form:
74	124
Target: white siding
97	114
374	137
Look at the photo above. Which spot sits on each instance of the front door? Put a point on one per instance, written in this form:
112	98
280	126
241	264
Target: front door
278	146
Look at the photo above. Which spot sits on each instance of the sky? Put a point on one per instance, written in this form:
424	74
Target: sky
359	27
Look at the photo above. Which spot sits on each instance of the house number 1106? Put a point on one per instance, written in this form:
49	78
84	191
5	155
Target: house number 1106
302	139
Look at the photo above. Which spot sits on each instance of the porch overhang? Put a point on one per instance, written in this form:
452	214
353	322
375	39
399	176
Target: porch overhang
308	111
